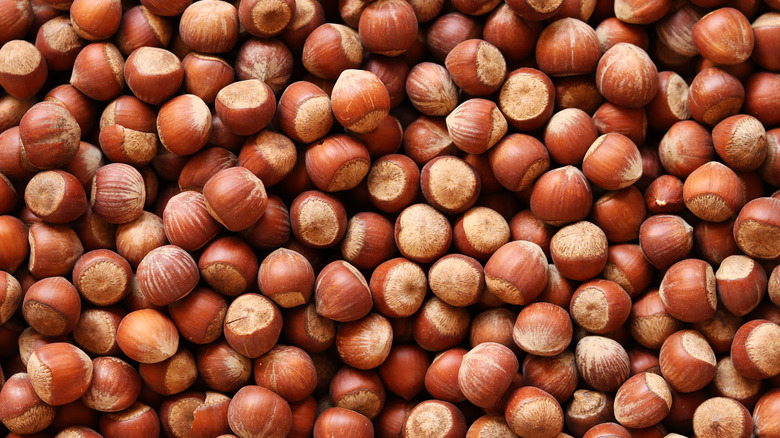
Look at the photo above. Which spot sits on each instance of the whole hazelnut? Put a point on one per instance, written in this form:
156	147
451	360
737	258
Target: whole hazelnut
255	410
713	192
266	19
724	36
567	47
688	290
50	135
209	26
21	410
642	401
59	372
235	197
626	76
487	362
359	100
22	69
512	285
388	17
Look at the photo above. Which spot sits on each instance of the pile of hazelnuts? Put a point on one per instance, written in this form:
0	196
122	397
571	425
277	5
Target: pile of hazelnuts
391	218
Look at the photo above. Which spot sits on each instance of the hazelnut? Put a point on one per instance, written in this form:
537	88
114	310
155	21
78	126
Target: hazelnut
754	336
714	95
235	197
722	415
139	418
49	134
182	210
357	390
568	135
626	76
341	293
184	124
254	410
393	182
713	192
579	251
435	416
687	361
304	112
602	363
22	411
147	336
98	71
754	228
222	367
476	125
359	100
542	329
317	219
398	287
210	418
439	326
118	193
422	234
23	69
688	290
514	36
561	196
273	228
388	17
431	89
55	196
252	325
613	30
336	421
288	371
337	163
612	162
535	11
724	36
517	160
642	401
600	306
54	249
426	138
199	316
266	19
665	195
18	16
764	33
765	414
210	27
441	378
286	277
167	274
510	284
274	70
620	214
331	49
533	412
229	265
142	28
491	362
670	104
96	330
477	67
743	274
59	373
665	239
115	385
567	47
